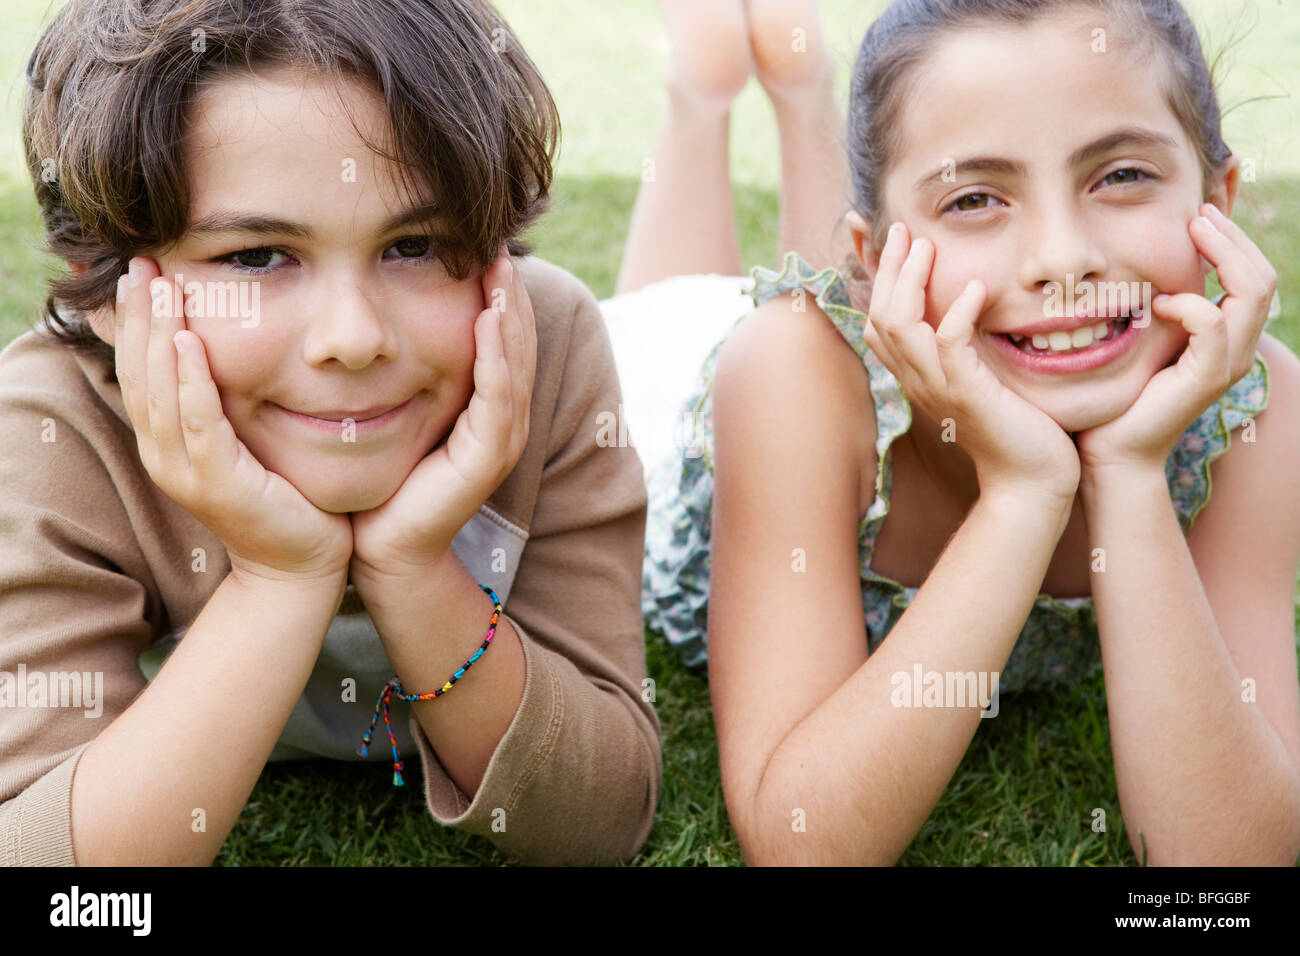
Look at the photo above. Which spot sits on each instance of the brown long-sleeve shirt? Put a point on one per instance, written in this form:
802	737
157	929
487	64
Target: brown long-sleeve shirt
98	583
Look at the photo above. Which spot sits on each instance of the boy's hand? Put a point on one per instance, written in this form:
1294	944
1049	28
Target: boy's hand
190	449
413	529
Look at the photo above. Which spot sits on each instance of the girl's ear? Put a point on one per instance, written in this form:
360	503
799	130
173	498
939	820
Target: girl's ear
101	319
862	247
1223	192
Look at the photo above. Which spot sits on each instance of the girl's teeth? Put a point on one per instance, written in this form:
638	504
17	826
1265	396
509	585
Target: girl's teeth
1080	338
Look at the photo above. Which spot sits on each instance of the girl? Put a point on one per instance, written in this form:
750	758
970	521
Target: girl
1015	489
332	425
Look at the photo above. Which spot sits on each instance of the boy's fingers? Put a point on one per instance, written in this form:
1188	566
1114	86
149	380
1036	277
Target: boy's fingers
131	350
210	442
161	391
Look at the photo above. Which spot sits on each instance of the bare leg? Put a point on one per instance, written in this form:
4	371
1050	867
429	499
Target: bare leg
683	222
796	70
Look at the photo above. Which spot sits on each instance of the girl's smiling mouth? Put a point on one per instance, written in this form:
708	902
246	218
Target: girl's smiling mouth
1063	352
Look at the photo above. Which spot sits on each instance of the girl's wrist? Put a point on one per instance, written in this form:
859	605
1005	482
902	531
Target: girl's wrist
1028	501
1100	481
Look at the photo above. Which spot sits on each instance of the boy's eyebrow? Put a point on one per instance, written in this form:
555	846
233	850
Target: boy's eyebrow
232	220
1134	136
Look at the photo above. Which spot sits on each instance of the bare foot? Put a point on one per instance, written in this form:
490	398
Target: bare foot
711	60
790	55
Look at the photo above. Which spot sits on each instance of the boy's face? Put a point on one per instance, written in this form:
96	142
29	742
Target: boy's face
352	314
1056	220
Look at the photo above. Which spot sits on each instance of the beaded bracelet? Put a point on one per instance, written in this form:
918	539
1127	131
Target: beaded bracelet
394	686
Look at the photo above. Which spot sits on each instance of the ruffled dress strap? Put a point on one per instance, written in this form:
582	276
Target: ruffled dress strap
1187	469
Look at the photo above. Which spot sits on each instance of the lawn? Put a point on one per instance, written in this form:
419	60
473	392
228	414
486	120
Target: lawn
1026	791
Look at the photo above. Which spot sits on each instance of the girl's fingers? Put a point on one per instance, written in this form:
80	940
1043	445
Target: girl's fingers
956	332
1209	344
892	257
161	388
1243	242
905	323
1238	275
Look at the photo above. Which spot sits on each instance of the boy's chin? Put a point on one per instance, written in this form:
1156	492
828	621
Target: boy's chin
335	497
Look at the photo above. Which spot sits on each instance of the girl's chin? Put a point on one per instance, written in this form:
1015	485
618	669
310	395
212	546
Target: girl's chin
1082	406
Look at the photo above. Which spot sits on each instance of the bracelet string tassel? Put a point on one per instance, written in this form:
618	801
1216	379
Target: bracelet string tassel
394	686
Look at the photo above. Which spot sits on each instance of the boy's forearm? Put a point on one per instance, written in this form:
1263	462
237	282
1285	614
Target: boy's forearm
197	738
1189	753
430	625
868	773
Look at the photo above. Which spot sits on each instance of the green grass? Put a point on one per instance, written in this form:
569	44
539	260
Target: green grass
1027	789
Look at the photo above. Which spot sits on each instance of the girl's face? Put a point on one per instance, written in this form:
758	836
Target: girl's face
1053	162
344	306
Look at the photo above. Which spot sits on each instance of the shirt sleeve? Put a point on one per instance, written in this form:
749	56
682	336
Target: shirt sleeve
71	625
576	777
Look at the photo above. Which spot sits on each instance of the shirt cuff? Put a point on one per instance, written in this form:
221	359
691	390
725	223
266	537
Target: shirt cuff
37	824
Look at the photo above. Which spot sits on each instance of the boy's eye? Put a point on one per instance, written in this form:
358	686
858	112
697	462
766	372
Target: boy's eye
413	246
254	258
261	258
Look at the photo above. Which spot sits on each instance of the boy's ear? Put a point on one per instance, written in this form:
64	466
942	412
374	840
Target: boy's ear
102	320
862	247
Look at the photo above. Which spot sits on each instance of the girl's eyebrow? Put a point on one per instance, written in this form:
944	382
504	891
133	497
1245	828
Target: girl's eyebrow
1136	137
232	220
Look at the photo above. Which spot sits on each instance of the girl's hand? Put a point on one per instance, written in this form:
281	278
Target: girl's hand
190	449
413	529
1220	351
1012	443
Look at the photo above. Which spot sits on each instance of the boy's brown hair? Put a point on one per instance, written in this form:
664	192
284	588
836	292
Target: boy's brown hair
111	84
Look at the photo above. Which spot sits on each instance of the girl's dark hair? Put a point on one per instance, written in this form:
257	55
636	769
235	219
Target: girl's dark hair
111	84
908	30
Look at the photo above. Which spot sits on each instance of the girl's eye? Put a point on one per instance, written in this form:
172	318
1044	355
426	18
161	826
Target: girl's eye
957	203
1127	169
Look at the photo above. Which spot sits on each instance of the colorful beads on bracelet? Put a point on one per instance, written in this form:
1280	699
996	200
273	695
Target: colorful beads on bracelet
394	688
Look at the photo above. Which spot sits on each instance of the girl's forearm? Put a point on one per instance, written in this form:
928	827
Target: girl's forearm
1190	754
198	736
867	773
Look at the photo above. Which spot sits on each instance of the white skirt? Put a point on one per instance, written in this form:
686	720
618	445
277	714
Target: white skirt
661	335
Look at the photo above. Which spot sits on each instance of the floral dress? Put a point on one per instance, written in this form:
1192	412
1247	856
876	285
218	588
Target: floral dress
1059	641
